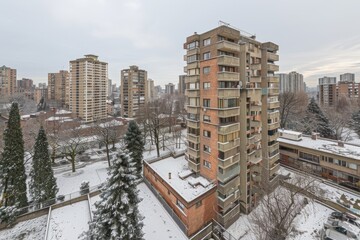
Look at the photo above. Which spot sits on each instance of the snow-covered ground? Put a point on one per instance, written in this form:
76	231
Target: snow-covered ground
33	229
69	222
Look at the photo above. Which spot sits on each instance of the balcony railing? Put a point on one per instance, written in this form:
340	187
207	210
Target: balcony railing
228	173
272	56
228	145
273	91
224	163
273	79
192	92
274	169
228	61
192	79
274	158
254	94
193	109
272	126
254	157
193	152
229	128
193	138
227	219
194	166
228	92
255	66
272	105
273	137
273	67
228	46
228	76
274	114
255	79
273	147
228	112
255	123
193	124
229	186
225	203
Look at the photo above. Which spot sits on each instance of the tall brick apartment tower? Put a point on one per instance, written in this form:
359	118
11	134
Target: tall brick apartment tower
7	81
133	90
233	118
57	86
88	88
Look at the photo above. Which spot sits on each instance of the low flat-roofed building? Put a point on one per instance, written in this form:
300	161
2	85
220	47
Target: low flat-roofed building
192	198
330	159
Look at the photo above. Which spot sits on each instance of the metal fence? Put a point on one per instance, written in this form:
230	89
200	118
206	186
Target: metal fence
167	207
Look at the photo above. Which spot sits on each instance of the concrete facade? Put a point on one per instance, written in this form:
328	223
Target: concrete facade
133	91
170	88
57	86
182	85
7	81
291	82
327	91
88	88
347	77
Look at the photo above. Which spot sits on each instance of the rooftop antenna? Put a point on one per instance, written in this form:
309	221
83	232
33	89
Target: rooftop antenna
243	32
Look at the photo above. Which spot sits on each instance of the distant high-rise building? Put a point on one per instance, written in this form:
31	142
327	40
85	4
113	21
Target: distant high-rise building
57	86
25	84
327	91
348	90
42	85
109	89
7	81
347	77
182	85
88	88
151	90
40	93
291	82
169	88
133	91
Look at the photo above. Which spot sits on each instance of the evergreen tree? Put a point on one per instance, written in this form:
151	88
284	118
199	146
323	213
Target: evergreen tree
43	183
13	177
117	215
135	145
316	121
355	122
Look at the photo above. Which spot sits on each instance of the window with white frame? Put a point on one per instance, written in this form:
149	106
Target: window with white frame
206	56
206	42
206	85
207	149
207	164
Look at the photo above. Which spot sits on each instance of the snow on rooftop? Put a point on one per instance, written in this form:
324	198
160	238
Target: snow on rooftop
324	145
57	118
62	111
288	131
112	123
188	188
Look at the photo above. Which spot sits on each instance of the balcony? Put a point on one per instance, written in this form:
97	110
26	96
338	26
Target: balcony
255	123
193	152
193	138
229	128
228	145
192	52
225	203
192	92
228	76
255	79
274	169
193	109
228	173
254	157
272	67
254	94
185	69
254	138
193	124
229	186
273	91
228	46
272	57
255	66
193	65
273	79
230	217
273	105
273	137
272	126
256	107
194	166
273	147
228	92
192	79
228	61
274	158
228	112
274	114
224	163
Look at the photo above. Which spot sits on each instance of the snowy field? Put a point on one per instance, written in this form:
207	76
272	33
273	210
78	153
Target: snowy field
69	222
33	229
157	222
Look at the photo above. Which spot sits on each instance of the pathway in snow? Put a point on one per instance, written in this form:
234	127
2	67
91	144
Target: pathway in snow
69	222
33	229
157	222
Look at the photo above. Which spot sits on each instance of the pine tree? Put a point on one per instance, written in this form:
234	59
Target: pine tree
135	145
117	215
316	121
13	177
355	122
43	183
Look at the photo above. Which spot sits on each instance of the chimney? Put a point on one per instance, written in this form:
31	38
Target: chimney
169	175
314	135
340	143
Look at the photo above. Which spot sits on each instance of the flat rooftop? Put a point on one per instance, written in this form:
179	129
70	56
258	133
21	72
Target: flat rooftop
325	145
182	179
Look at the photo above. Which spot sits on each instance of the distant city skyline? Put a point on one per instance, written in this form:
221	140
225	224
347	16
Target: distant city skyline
151	35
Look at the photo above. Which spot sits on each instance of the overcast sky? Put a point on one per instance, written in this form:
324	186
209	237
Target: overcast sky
316	37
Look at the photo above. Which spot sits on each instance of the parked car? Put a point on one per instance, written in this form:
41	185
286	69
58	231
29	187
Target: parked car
337	215
331	234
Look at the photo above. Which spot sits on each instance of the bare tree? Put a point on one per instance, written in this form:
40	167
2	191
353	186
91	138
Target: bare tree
273	218
71	145
291	105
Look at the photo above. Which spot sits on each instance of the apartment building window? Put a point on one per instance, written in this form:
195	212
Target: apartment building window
192	58
206	70
180	205
206	133
206	118
206	56
206	42
207	164
206	102
207	149
309	157
206	85
193	45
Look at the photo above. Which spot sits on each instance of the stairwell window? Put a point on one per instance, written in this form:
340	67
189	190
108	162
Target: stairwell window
206	70
207	134
206	85
206	56
206	102
207	149
207	164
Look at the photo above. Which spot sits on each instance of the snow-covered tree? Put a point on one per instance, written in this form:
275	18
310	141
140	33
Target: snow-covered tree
12	169
117	215
355	122
316	121
135	145
43	183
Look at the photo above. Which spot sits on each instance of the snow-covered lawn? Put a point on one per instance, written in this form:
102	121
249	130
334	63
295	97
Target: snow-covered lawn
69	222
33	229
157	222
